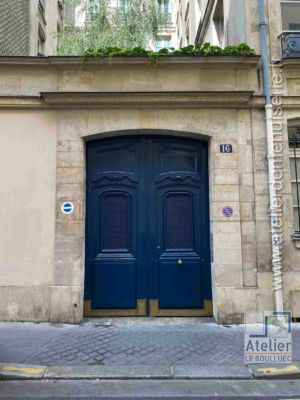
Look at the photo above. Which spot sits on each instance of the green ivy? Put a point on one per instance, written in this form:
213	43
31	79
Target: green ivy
205	49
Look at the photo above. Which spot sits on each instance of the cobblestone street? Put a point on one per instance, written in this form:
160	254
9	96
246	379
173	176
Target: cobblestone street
127	341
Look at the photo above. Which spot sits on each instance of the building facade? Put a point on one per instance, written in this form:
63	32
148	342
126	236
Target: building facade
188	16
28	27
129	189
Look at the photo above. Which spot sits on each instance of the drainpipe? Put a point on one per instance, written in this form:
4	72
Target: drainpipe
276	249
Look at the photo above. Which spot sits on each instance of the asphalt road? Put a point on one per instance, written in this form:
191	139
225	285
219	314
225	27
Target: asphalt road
146	390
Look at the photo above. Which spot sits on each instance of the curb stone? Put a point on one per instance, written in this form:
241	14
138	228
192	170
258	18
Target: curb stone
109	372
21	371
275	371
10	371
211	372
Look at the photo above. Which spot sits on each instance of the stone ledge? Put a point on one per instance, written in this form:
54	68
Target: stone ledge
63	61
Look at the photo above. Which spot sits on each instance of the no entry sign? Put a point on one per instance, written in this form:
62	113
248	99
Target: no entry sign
67	207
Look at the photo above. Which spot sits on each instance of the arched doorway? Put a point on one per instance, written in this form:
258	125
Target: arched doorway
147	232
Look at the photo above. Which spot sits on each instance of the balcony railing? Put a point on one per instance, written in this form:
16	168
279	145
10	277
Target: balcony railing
290	44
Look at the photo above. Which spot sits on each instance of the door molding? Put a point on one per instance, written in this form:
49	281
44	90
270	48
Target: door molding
155	311
139	311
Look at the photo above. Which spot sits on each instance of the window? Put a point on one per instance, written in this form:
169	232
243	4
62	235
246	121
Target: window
294	143
219	22
41	47
122	7
92	8
164	6
41	41
290	14
58	37
290	36
162	43
187	33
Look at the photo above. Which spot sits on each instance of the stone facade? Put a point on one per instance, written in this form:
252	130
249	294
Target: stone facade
48	113
52	288
27	27
14	42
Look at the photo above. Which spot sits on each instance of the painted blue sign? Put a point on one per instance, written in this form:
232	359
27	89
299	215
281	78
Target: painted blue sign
67	207
227	212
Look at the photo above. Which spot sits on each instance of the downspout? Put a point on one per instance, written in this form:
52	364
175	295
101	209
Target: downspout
276	248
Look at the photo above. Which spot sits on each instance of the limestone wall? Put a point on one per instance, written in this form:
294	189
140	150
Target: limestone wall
27	229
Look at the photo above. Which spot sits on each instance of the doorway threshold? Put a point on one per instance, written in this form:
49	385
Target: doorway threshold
146	321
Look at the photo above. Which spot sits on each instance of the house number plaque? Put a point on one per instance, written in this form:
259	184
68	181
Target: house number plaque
225	148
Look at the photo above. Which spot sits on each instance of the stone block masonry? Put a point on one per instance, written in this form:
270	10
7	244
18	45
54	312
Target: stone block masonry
14	28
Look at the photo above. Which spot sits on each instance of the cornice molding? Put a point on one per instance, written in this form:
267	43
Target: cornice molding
144	100
22	102
164	61
289	62
197	99
291	102
136	100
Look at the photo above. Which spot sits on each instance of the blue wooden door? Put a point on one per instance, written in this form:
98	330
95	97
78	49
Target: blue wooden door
147	236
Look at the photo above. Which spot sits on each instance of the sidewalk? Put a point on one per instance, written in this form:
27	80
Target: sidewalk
127	341
128	358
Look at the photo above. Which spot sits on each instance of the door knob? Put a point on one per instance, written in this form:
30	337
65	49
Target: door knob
158	247
179	262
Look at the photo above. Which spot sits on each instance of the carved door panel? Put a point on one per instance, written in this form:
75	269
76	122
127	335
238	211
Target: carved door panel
115	281
180	282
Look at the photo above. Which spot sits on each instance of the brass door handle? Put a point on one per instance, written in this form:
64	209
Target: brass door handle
179	262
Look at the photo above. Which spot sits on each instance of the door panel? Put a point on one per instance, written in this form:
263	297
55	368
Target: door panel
116	221
115	260
180	226
178	221
180	285
179	264
114	284
147	227
114	267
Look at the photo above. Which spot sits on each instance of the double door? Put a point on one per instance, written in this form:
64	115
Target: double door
147	233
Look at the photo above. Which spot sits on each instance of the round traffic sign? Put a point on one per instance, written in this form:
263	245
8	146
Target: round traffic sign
67	207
